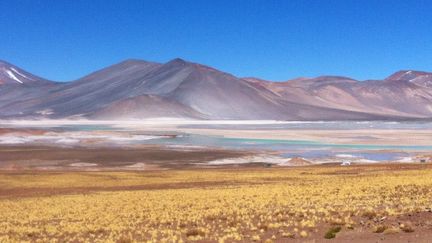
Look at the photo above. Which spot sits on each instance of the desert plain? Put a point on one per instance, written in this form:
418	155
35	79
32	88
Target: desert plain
215	182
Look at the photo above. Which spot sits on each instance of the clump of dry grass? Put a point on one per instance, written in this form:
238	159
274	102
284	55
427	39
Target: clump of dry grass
194	232
303	234
407	227
370	214
379	228
331	233
391	230
288	235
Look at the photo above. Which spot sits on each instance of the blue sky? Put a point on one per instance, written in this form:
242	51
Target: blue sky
275	40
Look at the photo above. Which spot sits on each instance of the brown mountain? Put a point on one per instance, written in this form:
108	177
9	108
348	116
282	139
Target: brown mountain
136	89
405	93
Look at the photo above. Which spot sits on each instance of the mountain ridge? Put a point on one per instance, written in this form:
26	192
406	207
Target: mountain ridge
138	89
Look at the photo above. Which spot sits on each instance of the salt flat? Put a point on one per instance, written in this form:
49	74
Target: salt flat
258	142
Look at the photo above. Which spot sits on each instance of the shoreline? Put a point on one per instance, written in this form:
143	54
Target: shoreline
233	147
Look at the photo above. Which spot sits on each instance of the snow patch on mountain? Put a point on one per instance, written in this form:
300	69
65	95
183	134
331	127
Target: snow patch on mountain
19	73
12	76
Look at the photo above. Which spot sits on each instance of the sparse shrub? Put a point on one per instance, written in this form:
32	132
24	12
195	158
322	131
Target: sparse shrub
303	234
350	226
369	214
31	234
392	230
379	228
194	232
406	227
331	233
263	227
256	238
288	235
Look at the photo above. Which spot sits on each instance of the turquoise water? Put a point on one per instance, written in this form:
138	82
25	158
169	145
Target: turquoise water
275	144
261	142
324	125
298	148
287	148
368	155
87	128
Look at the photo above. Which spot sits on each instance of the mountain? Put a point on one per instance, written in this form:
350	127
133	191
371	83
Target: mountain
423	79
403	94
145	106
136	89
19	86
12	75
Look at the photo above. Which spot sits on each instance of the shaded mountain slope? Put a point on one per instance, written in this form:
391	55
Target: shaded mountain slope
19	88
135	89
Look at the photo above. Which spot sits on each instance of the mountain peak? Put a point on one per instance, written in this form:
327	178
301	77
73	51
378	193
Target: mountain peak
10	74
134	61
332	77
185	88
178	61
128	63
406	75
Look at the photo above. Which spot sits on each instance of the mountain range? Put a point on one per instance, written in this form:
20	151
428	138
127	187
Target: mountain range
136	89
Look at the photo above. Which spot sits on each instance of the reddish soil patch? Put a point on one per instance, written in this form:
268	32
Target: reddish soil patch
33	157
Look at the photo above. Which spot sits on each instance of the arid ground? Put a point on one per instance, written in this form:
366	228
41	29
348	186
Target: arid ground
183	183
321	203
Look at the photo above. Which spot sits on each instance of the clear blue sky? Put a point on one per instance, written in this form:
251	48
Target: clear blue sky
275	40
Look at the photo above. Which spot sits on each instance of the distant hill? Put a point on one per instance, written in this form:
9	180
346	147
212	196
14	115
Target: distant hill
136	89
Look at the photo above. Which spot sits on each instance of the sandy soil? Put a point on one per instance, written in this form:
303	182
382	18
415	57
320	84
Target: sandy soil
107	158
420	222
42	159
